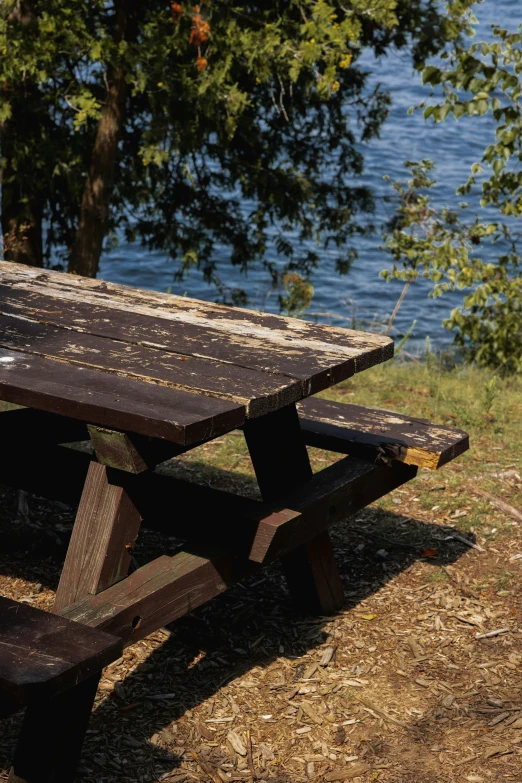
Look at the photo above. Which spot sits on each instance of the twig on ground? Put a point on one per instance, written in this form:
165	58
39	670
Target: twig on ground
466	541
491	633
250	759
501	504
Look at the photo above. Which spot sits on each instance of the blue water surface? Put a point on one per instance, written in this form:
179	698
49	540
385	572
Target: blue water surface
362	295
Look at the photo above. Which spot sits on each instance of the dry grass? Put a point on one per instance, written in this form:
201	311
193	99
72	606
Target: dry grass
395	688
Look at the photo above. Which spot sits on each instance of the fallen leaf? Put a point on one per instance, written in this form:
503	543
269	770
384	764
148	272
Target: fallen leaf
368	616
429	552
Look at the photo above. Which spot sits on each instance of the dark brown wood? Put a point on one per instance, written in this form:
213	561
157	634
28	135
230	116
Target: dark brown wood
51	739
374	433
111	401
164	590
167	504
281	464
333	495
278	453
259	392
103	537
317	369
158	593
312	577
274	344
42	655
226	522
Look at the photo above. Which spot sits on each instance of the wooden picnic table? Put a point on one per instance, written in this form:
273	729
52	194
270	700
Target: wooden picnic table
146	376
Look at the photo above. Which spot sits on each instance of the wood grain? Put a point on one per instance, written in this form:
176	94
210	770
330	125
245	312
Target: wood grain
333	495
313	578
42	655
316	369
128	451
103	537
158	593
371	432
271	343
258	392
111	401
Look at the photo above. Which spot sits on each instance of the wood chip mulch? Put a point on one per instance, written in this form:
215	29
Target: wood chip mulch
417	680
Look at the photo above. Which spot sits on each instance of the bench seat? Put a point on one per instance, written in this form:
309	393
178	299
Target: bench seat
373	433
42	655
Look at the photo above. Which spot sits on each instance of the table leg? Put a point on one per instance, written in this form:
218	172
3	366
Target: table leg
281	463
50	743
104	533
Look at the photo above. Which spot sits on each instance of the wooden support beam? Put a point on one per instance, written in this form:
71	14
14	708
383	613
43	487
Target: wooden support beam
332	495
312	577
259	531
281	464
130	452
278	452
169	587
51	739
104	533
156	594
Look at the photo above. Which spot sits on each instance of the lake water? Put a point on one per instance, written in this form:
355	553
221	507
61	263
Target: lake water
363	294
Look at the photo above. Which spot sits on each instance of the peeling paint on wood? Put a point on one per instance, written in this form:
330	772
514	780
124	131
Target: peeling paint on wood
352	429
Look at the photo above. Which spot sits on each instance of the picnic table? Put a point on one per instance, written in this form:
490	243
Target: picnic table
145	376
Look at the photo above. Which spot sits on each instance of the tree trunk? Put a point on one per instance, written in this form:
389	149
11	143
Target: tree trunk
94	214
21	210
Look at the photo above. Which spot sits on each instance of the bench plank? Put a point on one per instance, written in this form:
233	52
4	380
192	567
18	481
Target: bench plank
42	654
371	432
111	401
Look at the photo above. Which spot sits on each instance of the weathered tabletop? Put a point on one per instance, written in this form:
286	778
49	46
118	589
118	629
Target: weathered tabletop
157	364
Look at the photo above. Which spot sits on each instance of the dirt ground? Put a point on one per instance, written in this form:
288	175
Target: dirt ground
402	686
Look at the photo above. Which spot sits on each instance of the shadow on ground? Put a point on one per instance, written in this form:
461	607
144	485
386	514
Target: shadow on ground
240	632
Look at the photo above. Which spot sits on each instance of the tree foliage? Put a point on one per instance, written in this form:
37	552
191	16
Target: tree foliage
445	244
241	124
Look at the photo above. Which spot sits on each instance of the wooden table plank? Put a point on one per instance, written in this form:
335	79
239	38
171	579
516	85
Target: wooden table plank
111	401
317	370
258	392
275	334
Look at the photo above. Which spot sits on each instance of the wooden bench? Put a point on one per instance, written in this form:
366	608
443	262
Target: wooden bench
52	666
378	434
